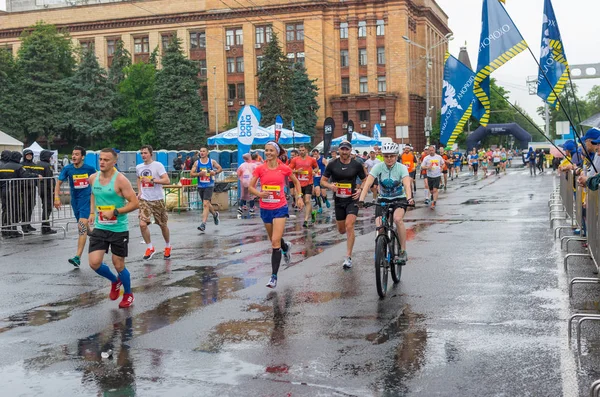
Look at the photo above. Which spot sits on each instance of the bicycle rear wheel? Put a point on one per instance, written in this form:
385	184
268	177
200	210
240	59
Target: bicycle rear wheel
381	265
395	266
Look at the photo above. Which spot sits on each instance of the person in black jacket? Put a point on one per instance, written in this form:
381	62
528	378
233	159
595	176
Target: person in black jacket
28	191
46	189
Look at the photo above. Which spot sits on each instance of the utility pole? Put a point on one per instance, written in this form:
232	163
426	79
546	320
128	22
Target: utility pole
216	110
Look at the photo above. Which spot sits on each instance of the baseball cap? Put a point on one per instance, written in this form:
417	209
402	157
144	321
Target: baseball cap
593	134
569	145
345	144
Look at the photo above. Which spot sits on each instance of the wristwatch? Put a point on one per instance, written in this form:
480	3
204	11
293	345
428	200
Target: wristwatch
116	211
300	195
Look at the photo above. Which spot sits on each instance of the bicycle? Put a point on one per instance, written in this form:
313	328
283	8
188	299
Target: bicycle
387	248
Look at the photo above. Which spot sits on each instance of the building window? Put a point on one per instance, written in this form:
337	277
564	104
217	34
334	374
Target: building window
166	40
110	47
381	85
202	66
362	57
241	91
344	30
141	45
86	44
344	117
231	91
300	58
206	119
382	116
344	58
232	116
345	86
239	64
291	57
362	28
230	65
380	27
230	37
381	55
363	115
9	49
263	34
239	37
363	85
259	63
294	32
197	40
204	93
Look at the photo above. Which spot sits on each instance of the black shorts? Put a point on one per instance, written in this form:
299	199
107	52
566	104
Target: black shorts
102	240
475	167
413	174
345	208
290	185
307	190
399	203
444	171
434	183
206	193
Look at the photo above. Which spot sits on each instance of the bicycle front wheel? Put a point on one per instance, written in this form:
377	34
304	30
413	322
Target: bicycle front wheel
381	265
395	264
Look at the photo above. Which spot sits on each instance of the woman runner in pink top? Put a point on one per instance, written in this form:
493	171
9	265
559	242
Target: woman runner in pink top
273	204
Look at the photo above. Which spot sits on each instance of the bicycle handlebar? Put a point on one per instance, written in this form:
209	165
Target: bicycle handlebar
384	204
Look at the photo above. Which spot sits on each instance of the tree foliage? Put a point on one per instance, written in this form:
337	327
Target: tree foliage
179	114
305	94
274	85
9	112
121	60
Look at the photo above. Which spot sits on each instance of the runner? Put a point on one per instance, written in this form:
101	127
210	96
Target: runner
369	164
273	204
320	194
503	160
395	186
151	175
245	172
343	174
111	200
483	159
304	167
206	169
378	154
450	161
474	162
424	174
78	175
409	160
457	164
293	154
496	158
444	156
433	164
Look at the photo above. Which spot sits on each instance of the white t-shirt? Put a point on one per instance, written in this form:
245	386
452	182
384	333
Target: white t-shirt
436	163
496	156
147	173
371	163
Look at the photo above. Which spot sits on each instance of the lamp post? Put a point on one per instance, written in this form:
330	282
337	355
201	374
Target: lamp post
216	111
428	65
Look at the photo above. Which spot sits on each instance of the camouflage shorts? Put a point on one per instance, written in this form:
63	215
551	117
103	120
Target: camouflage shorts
157	209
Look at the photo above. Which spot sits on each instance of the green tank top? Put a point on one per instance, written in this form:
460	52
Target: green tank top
106	199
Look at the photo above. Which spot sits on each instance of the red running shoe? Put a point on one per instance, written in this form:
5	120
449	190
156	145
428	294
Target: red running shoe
115	290
127	301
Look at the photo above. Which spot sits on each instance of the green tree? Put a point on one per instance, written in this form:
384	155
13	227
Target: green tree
45	58
571	102
8	94
91	102
179	120
274	85
305	94
593	100
121	60
135	125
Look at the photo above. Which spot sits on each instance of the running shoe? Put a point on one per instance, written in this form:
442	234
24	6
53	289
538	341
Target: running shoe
251	211
327	203
402	257
167	254
287	254
75	261
347	263
272	282
433	205
313	215
320	210
127	301
216	217
115	290
149	253
305	224
426	201
202	227
444	187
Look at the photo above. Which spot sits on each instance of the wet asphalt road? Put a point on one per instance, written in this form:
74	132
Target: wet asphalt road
481	309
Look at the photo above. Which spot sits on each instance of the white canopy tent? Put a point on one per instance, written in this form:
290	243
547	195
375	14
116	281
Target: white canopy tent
37	149
7	142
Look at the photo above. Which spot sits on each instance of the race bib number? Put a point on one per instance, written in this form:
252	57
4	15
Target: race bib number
407	165
274	194
80	181
205	178
318	174
303	176
102	221
146	182
344	190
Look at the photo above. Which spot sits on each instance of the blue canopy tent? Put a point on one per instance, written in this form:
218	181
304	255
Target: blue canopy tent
357	139
262	136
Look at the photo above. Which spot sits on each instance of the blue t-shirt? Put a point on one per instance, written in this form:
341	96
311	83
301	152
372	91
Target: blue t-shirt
78	180
390	180
474	159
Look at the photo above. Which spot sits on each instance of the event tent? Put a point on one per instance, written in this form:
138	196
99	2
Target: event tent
7	142
37	149
358	140
263	135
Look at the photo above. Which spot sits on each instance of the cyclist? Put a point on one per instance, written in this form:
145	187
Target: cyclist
395	188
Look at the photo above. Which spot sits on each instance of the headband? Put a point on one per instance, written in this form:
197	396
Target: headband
276	146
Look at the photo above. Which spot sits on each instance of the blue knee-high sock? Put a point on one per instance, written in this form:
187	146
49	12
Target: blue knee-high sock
126	280
104	271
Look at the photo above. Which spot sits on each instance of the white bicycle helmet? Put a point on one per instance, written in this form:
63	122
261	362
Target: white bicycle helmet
389	148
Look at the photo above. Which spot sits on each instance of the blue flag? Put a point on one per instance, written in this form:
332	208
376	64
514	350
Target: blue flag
500	42
553	60
457	98
248	119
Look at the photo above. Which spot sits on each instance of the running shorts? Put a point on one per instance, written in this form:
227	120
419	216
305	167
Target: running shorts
475	167
155	208
81	208
268	215
206	193
307	190
345	208
434	183
413	174
102	240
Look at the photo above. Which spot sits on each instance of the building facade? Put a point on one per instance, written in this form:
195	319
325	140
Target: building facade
365	70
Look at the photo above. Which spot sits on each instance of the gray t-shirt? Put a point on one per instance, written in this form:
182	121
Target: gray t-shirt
436	162
371	163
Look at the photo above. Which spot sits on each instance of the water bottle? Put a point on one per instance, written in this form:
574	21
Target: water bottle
107	354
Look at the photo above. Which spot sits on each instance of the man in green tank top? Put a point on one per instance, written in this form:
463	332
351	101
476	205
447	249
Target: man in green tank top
112	198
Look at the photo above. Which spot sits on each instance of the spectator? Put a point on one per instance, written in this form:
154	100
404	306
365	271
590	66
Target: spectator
188	163
178	163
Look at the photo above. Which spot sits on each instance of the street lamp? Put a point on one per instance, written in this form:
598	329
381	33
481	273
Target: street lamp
216	111
428	60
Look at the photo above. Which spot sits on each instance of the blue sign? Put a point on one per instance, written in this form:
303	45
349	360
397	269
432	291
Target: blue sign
248	119
293	125
376	131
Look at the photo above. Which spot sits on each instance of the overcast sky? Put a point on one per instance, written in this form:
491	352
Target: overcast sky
577	20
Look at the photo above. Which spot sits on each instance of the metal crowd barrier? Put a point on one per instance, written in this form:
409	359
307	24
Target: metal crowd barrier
566	199
28	202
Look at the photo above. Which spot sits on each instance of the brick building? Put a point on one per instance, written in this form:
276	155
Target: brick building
365	70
